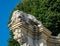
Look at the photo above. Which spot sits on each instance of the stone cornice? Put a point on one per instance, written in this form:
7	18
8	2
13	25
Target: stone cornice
53	39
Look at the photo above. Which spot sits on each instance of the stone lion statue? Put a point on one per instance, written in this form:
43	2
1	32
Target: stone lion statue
26	17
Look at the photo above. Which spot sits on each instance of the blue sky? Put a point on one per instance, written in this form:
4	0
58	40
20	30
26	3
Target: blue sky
6	6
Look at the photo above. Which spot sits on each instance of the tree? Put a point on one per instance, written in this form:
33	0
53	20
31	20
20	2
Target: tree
13	42
46	11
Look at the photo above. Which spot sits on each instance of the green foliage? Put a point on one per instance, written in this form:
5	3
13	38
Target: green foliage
11	34
46	11
13	42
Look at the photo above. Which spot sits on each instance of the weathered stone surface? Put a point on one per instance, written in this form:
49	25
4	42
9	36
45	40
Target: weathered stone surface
28	31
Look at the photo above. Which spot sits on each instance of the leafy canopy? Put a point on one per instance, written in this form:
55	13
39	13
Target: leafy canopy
46	11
